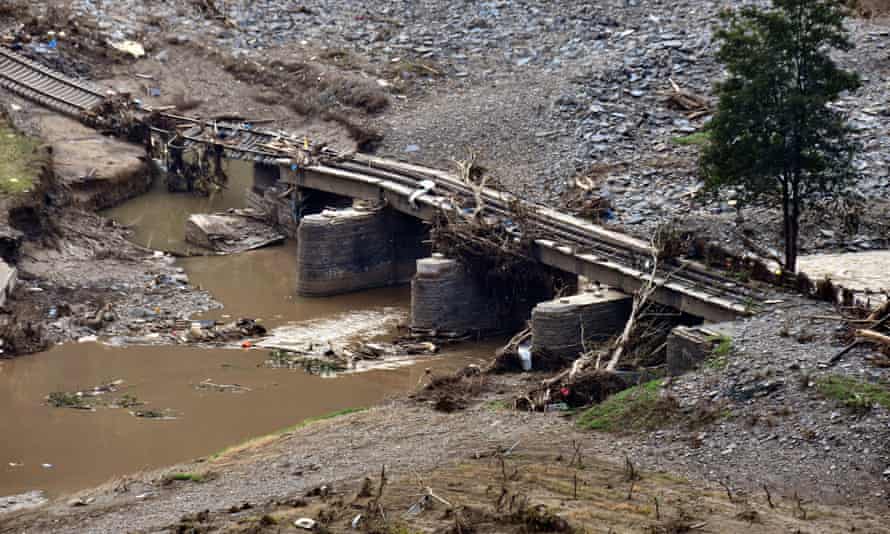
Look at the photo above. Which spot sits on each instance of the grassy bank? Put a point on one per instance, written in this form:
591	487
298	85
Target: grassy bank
19	161
261	440
636	408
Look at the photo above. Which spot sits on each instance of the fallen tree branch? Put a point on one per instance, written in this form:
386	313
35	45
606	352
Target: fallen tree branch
875	337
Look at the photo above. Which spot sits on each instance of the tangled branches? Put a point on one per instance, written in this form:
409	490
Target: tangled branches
494	242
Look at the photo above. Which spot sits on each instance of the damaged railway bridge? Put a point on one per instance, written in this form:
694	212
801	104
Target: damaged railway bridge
377	235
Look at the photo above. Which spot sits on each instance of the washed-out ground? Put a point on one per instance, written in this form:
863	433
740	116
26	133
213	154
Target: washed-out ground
529	463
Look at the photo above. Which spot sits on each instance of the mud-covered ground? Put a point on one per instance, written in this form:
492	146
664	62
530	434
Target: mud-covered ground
491	470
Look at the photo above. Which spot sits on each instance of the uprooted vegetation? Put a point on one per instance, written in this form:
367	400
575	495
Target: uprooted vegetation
453	392
522	489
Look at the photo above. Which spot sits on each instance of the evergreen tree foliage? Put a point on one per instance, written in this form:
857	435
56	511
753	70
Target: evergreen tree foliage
775	135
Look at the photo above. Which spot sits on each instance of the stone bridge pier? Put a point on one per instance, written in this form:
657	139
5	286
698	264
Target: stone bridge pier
356	248
447	296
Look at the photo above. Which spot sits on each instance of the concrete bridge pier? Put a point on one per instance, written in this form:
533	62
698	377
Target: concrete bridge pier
563	327
351	249
446	296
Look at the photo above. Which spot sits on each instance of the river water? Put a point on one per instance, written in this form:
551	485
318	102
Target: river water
61	450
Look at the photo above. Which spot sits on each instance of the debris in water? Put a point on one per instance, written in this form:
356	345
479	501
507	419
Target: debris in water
78	399
165	415
231	232
327	360
210	385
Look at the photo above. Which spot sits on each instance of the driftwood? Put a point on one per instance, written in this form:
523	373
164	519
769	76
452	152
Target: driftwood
882	311
874	337
593	358
687	101
863	335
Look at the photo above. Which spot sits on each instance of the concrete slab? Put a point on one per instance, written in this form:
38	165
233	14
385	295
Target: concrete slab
230	233
8	279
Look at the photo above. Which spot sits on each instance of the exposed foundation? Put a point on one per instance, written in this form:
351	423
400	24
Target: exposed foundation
346	250
96	171
563	327
446	297
689	346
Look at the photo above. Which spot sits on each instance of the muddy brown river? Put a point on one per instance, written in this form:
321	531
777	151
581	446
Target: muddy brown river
62	450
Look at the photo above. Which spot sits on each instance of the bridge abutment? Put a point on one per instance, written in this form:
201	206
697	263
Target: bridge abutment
351	249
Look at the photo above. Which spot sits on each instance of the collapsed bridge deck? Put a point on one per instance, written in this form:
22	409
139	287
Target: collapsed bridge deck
563	241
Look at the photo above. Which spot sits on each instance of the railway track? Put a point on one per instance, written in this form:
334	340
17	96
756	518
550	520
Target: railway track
240	141
37	83
575	234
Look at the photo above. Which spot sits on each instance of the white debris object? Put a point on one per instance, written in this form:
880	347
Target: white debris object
305	523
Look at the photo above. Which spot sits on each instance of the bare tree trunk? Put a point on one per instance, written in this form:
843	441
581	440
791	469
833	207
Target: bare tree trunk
786	226
795	225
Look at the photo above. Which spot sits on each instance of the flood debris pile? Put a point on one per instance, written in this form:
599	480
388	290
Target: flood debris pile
210	385
213	332
453	392
329	359
493	250
586	199
160	415
231	232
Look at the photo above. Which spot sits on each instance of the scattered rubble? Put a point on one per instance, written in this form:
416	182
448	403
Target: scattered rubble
24	501
328	360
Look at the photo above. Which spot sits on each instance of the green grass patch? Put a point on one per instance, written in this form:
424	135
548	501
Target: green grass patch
19	161
854	394
696	139
497	405
278	433
638	408
720	355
